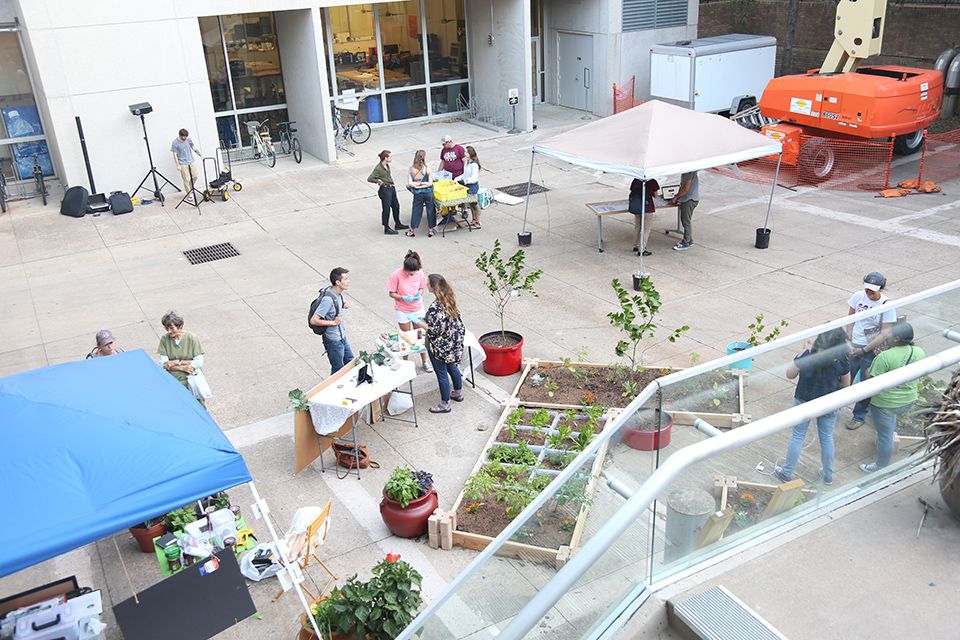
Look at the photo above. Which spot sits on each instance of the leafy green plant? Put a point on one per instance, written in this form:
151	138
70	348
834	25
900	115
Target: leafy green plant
584	437
694	357
181	517
630	389
506	280
402	487
378	357
539	483
298	400
516	497
513	421
637	318
540	419
551	386
560	460
573	491
757	329
557	440
718	394
380	608
150	523
594	413
520	454
478	486
221	500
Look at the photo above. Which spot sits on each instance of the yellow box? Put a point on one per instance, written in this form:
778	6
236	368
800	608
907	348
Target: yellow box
448	190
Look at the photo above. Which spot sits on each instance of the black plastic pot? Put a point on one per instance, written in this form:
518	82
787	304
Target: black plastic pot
763	238
525	238
637	279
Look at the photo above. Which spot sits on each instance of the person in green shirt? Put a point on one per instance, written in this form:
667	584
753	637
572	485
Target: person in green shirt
387	193
887	405
181	353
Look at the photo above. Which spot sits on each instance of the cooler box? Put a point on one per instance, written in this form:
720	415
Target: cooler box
55	623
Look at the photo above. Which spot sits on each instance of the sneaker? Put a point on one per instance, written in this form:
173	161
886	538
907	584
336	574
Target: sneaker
826	481
869	468
781	474
683	245
854	424
428	367
387	231
401	226
647	253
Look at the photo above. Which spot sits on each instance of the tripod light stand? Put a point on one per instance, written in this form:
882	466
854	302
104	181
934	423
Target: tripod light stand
141	109
193	197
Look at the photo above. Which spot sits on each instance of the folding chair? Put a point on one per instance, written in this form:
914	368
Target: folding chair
302	547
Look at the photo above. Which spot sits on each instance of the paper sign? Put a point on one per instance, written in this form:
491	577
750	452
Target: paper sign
800	105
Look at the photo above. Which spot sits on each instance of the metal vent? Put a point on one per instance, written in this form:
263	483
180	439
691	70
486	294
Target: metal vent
211	253
653	14
519	190
717	614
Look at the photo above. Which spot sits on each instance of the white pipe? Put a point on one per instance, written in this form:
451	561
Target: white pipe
706	428
661	478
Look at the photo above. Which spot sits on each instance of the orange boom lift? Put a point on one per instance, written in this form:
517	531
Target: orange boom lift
843	100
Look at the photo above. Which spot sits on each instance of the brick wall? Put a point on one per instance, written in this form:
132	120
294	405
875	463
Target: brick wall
914	35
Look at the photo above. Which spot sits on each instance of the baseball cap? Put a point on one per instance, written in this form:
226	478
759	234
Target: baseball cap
447	138
104	337
874	281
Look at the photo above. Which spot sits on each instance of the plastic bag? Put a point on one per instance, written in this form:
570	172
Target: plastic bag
398	403
254	563
484	198
438	176
197	383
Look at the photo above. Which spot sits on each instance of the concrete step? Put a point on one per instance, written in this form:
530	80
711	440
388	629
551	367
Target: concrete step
717	614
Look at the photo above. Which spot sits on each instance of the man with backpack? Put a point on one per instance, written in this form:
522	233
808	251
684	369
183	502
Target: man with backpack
326	319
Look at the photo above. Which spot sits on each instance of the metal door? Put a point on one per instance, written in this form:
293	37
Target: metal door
575	70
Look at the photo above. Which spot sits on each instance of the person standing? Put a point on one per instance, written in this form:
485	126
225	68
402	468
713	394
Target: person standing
688	197
866	334
387	193
329	314
470	178
887	406
452	157
181	353
822	369
106	345
636	202
445	333
420	184
183	149
406	286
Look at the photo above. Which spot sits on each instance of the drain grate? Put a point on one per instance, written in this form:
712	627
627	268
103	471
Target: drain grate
211	253
520	190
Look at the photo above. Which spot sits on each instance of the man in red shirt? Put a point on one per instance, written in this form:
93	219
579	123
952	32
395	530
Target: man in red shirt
451	157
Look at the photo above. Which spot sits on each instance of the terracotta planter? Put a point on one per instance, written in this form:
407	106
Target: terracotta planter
502	361
307	632
412	521
144	536
647	440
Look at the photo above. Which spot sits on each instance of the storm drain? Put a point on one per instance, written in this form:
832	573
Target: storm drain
520	190
211	253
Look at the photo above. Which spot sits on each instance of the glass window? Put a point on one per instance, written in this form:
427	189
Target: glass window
449	98
406	104
273	115
354	43
20	117
400	37
227	131
216	64
327	39
254	59
446	40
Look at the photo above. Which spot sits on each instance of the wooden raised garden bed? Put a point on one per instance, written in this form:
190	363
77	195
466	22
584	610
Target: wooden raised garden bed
527	449
716	397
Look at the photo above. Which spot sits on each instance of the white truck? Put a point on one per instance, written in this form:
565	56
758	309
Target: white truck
715	74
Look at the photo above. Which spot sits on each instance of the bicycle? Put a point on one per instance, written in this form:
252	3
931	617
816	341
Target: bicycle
38	179
4	196
355	129
260	139
289	144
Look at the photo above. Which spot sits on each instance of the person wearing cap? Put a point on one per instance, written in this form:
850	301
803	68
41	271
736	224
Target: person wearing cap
106	345
866	334
887	406
452	157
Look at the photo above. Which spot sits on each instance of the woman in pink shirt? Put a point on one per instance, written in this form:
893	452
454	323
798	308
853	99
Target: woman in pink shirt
406	286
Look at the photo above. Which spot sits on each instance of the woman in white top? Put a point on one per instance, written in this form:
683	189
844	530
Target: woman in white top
866	334
471	180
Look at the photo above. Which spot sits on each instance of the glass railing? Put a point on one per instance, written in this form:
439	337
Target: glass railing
707	509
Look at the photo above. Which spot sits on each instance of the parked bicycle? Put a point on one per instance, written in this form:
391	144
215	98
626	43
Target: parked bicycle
262	144
353	128
38	179
4	196
289	144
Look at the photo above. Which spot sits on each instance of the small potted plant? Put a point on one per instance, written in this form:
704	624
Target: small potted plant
759	333
179	518
504	281
145	533
409	500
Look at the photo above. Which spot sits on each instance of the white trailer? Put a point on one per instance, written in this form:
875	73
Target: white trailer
709	74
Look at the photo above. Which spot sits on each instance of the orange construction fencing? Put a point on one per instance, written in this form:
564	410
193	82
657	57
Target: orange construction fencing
624	96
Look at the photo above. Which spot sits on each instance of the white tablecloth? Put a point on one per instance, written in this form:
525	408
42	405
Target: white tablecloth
327	408
470	342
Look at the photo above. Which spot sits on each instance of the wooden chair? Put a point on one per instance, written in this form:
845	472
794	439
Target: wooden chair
304	546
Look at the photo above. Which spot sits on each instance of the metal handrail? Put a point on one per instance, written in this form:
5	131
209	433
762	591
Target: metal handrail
646	394
667	472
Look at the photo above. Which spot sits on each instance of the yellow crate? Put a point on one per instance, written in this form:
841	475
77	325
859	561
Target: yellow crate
448	190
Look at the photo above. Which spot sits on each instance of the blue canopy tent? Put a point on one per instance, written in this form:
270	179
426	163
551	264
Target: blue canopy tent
93	447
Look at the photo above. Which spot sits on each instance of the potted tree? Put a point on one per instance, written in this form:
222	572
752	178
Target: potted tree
504	281
943	443
409	500
757	336
145	532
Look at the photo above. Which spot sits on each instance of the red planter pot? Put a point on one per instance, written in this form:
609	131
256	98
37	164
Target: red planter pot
144	537
502	361
647	440
412	521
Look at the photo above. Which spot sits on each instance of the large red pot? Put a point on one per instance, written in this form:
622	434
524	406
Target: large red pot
144	536
412	521
502	361
647	440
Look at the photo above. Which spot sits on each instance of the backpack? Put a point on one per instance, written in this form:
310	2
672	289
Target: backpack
316	303
75	201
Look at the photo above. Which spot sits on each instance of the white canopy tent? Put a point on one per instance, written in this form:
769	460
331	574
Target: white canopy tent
654	140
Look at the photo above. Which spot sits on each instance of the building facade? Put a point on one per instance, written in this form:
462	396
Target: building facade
211	66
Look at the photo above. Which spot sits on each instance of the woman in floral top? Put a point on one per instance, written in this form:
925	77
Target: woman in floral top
445	333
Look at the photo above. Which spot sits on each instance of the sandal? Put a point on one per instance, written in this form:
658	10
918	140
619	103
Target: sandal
410	234
440	408
431	232
457	396
475	225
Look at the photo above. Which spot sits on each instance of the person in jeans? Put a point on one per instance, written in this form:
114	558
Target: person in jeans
445	332
688	197
405	287
887	406
635	204
866	334
822	369
470	178
420	184
329	314
387	193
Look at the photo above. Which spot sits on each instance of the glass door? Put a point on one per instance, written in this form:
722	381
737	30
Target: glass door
536	59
